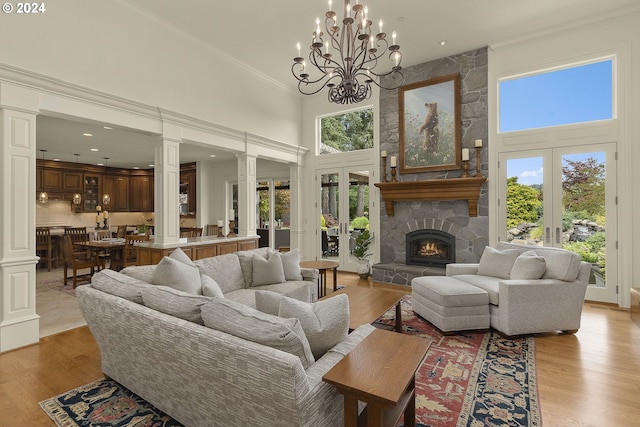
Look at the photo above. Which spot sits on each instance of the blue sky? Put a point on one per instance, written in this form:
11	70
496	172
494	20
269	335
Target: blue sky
573	95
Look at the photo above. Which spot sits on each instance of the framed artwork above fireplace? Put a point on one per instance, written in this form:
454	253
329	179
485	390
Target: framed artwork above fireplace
429	125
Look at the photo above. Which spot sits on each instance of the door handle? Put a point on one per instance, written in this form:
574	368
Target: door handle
558	235
547	235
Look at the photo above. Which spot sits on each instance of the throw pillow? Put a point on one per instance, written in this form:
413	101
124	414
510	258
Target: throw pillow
268	302
179	272
497	263
175	303
250	324
529	265
118	284
210	287
267	271
291	265
325	323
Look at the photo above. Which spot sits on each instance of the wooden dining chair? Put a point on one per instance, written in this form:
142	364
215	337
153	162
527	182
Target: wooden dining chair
212	229
77	235
130	254
122	231
190	231
44	247
77	260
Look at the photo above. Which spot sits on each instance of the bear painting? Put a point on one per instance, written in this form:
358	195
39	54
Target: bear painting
430	128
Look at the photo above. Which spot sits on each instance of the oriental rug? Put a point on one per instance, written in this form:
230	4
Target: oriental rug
58	284
471	379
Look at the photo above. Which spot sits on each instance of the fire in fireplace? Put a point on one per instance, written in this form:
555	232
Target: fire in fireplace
433	248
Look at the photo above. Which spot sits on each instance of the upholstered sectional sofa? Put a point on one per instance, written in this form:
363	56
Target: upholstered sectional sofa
515	289
215	360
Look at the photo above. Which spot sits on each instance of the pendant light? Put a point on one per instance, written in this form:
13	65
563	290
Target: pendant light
77	198
43	197
106	198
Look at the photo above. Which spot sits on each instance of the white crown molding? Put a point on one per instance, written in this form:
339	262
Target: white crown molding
592	21
56	87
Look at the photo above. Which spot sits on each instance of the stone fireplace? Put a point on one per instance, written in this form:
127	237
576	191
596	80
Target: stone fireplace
432	248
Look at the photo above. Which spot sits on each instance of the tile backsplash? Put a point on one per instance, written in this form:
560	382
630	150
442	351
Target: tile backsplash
58	213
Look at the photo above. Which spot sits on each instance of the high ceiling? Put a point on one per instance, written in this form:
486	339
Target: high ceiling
263	35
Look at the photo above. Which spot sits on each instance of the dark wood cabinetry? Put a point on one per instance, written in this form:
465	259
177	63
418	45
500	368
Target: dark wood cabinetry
117	186
187	197
141	192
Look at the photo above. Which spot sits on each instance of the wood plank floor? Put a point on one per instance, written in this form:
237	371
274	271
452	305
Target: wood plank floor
591	379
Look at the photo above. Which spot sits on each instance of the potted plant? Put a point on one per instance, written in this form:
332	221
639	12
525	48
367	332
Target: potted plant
361	252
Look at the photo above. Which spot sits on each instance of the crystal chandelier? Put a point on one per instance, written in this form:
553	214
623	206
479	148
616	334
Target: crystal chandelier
344	57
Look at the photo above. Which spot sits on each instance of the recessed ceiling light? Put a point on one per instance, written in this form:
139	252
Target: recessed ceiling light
152	166
212	155
443	42
94	149
107	127
87	134
136	167
99	164
56	160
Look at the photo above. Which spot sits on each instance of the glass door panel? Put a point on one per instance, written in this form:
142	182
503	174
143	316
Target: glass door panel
344	209
561	197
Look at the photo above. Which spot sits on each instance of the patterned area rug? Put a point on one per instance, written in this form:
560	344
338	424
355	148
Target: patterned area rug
467	380
59	285
472	379
104	403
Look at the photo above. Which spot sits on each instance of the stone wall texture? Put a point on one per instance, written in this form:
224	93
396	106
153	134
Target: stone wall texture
472	233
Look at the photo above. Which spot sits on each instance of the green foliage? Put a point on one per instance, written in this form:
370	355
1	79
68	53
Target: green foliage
536	233
360	223
582	249
583	186
349	131
362	243
523	203
592	250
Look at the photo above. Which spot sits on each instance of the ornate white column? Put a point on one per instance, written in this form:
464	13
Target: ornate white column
296	222
19	323
247	194
166	189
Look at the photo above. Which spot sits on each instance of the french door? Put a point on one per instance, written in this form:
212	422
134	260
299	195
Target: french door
565	197
344	205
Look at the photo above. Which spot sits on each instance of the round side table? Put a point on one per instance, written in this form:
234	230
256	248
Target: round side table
322	266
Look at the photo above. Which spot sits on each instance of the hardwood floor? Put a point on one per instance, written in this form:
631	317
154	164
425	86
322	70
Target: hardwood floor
590	379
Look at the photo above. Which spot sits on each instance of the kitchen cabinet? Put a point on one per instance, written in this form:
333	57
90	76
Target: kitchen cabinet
117	186
141	192
187	196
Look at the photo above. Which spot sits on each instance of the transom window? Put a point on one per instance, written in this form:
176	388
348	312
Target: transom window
577	94
346	132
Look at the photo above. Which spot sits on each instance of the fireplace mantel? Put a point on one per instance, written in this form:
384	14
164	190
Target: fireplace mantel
434	189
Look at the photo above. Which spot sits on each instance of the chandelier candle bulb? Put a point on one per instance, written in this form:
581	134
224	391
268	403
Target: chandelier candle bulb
380	23
465	154
393	38
478	143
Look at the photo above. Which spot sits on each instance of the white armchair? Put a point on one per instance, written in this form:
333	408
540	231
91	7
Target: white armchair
520	303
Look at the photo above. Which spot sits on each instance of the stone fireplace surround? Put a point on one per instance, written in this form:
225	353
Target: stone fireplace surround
471	233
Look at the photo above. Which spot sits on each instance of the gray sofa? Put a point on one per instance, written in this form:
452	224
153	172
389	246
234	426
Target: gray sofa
199	375
542	291
234	273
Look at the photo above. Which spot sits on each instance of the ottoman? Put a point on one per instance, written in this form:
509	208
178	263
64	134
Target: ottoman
450	304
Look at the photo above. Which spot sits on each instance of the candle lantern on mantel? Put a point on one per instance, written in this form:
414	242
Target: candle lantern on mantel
478	145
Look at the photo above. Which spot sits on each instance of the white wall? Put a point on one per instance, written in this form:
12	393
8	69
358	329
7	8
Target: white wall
113	48
619	36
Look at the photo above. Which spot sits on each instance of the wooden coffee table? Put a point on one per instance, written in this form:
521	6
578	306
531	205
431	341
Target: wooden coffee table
381	372
368	304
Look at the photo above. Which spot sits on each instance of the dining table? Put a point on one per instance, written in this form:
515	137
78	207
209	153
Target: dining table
112	245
